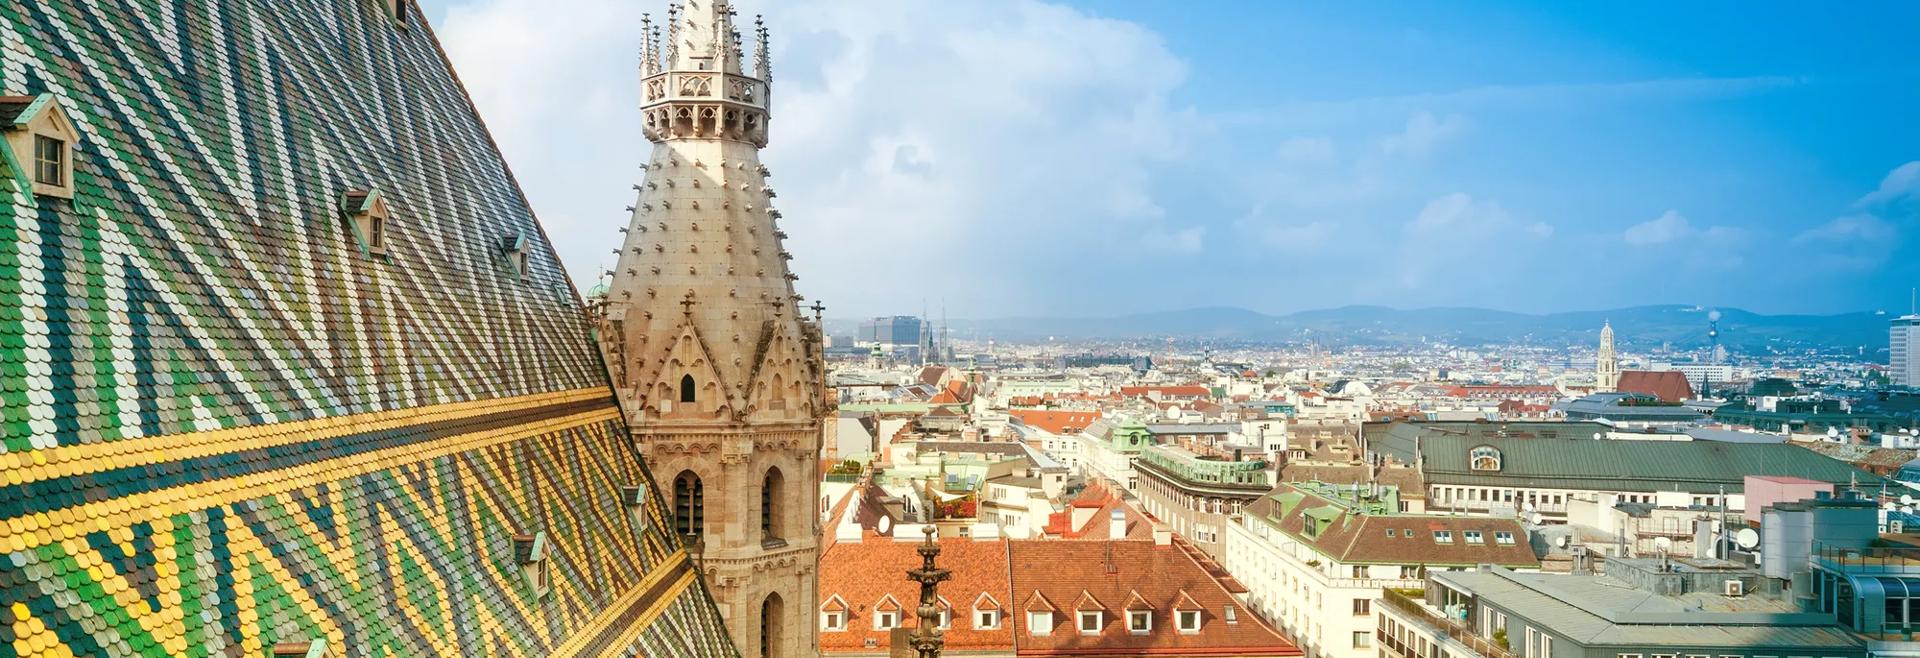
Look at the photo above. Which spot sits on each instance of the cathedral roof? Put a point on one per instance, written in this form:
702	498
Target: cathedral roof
238	414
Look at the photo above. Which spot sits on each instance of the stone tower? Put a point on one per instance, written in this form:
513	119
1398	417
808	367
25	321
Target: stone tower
1606	369
718	372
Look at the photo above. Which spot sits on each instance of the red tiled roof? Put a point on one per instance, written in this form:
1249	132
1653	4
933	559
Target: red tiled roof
866	573
1668	385
1057	421
1115	571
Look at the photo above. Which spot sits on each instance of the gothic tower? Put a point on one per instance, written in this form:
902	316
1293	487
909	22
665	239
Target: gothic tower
719	373
1606	370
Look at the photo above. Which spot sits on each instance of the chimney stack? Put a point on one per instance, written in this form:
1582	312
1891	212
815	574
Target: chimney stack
1117	525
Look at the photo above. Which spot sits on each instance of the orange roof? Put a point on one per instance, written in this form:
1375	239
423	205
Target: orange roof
1162	576
1036	574
1668	385
1057	421
866	574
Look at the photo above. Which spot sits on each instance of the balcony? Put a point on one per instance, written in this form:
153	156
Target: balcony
1418	611
1874	559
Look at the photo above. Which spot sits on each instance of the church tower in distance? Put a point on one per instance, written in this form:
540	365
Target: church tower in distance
719	374
1606	369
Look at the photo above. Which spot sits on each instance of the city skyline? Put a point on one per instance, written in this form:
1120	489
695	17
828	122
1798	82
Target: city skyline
1465	155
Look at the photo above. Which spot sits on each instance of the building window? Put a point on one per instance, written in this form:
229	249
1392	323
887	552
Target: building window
986	620
770	631
49	161
1139	622
770	489
1039	622
687	390
513	250
1362	640
1484	458
1472	536
368	214
833	621
297	649
885	621
689	506
1362	607
1503	538
946	617
530	551
1546	646
41	139
1443	536
1189	621
1627	655
1090	622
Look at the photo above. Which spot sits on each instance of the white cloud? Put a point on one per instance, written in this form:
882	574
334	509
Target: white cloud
1853	229
1459	214
1902	182
1666	228
904	132
1423	134
1671	226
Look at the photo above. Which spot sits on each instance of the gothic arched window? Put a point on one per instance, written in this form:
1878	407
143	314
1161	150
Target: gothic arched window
770	627
689	506
687	390
1484	458
769	504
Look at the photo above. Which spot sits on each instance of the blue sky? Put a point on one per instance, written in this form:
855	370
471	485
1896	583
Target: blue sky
1020	157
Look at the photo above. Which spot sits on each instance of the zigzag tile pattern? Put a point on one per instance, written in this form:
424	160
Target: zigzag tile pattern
224	424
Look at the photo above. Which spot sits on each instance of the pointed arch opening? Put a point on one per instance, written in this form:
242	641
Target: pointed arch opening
772	487
772	631
688	390
689	506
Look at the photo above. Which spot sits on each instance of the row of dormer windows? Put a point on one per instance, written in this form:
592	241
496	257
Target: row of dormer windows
1039	622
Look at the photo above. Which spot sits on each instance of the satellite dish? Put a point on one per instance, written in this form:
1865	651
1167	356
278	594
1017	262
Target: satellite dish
1662	544
1833	431
1596	436
1906	499
885	524
1560	541
1714	315
1747	538
1533	518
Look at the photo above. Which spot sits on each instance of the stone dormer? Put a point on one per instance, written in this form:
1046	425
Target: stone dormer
40	142
367	214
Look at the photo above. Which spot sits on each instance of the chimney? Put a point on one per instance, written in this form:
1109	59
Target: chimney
1162	536
1117	525
1081	516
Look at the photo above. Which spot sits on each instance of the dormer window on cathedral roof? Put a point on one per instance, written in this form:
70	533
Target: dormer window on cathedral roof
367	215
397	10
39	144
513	250
295	649
530	552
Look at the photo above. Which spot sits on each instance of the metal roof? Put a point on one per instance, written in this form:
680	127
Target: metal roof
1620	465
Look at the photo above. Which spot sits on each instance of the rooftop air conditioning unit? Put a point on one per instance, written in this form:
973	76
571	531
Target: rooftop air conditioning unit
1735	587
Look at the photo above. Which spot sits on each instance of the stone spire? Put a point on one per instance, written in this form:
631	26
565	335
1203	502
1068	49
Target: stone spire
720	373
708	41
1606	368
926	638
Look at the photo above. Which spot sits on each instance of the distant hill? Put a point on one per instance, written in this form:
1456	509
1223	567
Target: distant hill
1642	326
